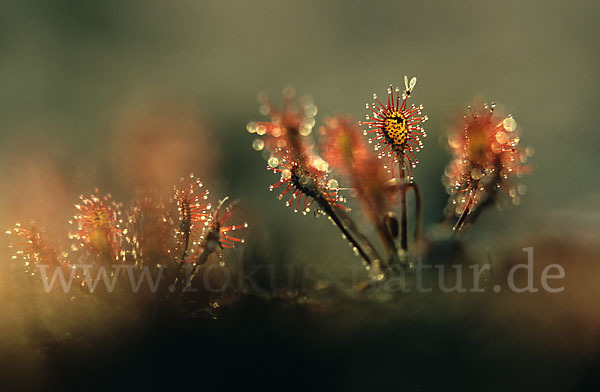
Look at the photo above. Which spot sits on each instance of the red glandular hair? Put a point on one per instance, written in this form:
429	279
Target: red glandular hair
396	129
98	221
34	248
305	179
486	156
193	210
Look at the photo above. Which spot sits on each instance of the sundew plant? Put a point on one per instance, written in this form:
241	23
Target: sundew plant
369	162
299	195
373	160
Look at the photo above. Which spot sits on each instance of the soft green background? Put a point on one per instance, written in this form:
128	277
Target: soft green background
68	68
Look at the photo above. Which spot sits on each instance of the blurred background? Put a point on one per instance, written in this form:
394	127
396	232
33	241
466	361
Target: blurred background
130	95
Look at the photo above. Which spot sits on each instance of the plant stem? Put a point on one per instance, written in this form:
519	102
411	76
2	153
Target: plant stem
186	232
403	216
387	240
474	213
186	244
463	216
340	225
419	212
